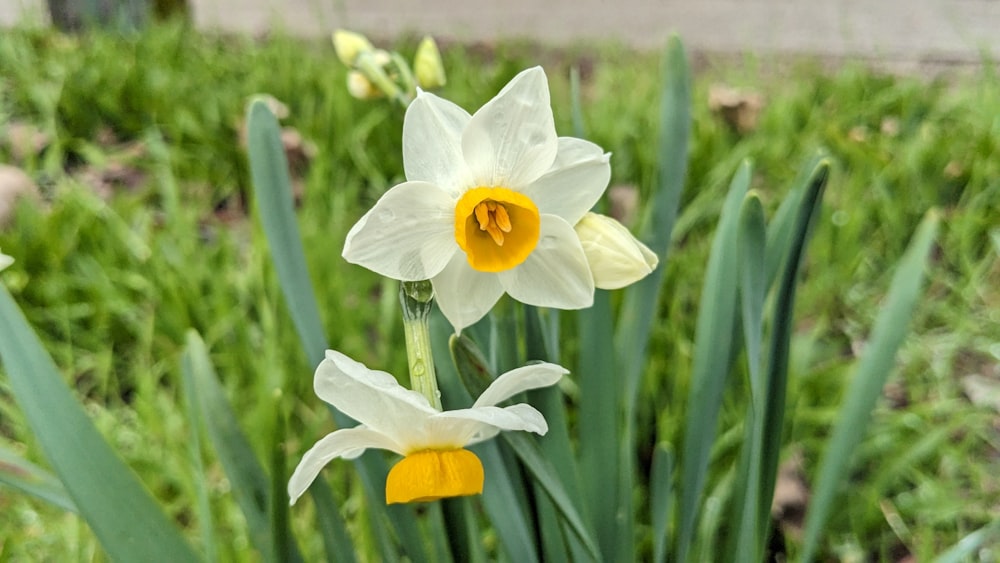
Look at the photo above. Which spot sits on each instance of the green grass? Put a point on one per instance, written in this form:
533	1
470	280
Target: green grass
112	285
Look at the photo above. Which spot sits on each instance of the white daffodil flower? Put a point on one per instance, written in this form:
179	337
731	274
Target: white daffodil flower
616	258
488	206
435	463
5	260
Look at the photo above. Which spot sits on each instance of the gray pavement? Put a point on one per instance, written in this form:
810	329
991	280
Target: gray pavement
915	32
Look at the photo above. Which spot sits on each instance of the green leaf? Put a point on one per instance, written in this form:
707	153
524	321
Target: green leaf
712	351
122	514
599	422
661	498
776	376
250	483
970	544
273	196
545	475
30	479
640	303
753	290
866	386
332	528
503	495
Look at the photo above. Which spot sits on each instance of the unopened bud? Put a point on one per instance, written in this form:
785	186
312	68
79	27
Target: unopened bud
616	258
349	45
5	260
360	87
427	65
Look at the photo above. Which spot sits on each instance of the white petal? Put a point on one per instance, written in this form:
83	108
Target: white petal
408	235
616	257
347	443
373	398
483	423
465	295
575	182
511	141
533	376
556	273
432	143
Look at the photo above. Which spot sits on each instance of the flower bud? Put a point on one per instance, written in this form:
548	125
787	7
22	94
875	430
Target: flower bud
360	87
427	65
616	258
349	45
5	260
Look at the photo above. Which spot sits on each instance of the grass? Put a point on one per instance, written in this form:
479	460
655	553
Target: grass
113	279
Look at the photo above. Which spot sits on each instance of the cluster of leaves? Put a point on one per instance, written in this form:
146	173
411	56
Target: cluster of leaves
112	284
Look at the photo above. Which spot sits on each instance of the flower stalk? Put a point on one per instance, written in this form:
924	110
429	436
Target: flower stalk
416	299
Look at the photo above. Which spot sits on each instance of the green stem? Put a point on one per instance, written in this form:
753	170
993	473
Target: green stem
416	299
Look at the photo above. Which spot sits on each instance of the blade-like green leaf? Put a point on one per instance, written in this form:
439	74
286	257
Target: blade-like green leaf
970	544
639	307
273	196
545	475
661	501
776	377
599	421
122	514
195	424
30	479
866	386
753	289
712	349
250	482
332	528
503	493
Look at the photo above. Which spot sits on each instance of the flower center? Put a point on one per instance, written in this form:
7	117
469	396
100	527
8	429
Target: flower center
429	475
496	227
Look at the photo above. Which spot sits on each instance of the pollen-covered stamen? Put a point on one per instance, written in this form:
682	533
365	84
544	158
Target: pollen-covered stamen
493	218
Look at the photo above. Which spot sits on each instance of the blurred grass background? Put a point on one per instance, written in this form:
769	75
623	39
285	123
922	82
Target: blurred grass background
143	231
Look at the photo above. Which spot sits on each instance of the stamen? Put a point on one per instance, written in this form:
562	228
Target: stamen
495	233
483	215
502	219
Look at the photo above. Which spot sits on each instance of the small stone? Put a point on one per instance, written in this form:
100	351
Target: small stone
14	184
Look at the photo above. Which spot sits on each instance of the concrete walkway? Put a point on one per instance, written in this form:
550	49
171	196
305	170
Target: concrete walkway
915	32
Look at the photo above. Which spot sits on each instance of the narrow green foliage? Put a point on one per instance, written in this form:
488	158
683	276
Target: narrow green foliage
873	370
712	350
123	516
753	290
273	195
970	544
776	376
331	526
640	303
661	499
30	479
551	483
251	485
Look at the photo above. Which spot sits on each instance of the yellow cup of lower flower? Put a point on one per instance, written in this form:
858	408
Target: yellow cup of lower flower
434	474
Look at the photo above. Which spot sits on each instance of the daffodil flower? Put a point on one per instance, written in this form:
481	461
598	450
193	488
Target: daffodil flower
5	260
489	205
435	463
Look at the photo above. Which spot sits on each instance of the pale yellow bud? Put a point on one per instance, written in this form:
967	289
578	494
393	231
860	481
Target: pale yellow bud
427	65
616	258
349	45
5	260
360	87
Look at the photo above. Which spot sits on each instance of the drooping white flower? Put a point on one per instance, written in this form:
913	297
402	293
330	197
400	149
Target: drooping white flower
488	206
5	260
435	463
616	258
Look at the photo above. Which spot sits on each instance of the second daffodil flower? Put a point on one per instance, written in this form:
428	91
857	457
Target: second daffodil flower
489	205
435	463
